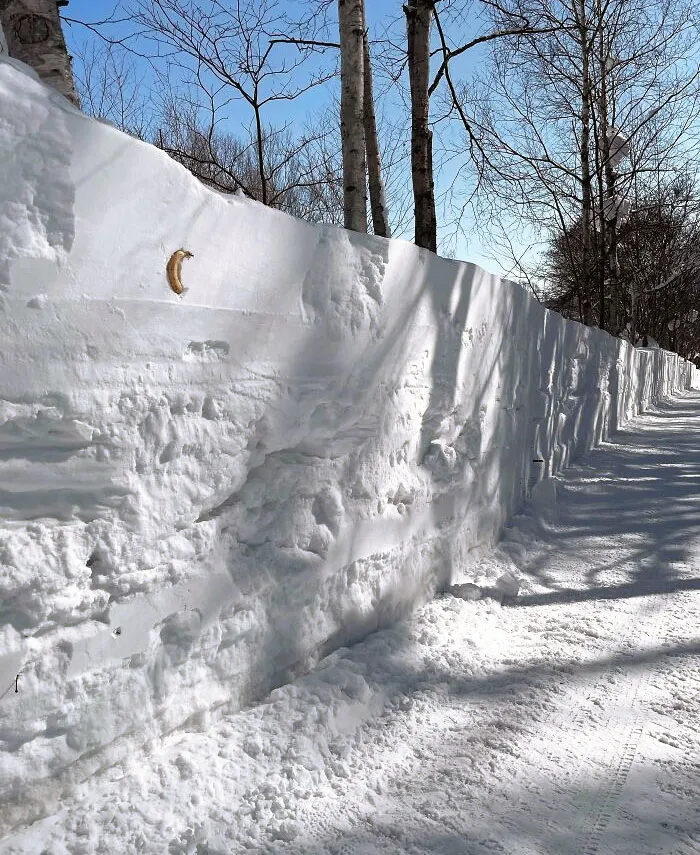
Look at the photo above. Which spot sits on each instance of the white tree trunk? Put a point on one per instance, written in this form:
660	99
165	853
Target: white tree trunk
33	32
351	24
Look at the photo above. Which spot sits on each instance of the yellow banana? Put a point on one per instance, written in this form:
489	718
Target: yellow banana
174	269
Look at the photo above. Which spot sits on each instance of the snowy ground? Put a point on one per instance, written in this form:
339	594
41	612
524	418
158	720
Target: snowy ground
562	721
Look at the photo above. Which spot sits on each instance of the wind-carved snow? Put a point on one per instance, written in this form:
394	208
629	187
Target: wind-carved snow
204	495
36	220
342	288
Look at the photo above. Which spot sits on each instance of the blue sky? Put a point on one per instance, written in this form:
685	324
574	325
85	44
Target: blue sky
379	13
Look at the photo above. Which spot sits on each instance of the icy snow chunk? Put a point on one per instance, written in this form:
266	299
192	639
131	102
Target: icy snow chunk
508	584
38	302
617	206
619	145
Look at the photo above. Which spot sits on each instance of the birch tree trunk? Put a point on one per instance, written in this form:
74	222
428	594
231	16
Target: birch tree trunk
377	191
352	128
609	307
419	15
586	177
33	32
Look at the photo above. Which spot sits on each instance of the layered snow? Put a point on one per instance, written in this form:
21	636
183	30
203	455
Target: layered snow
203	495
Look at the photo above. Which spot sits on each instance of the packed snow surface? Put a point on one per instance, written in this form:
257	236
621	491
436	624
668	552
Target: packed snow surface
203	495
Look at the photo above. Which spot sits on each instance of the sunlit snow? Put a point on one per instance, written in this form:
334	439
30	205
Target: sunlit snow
251	596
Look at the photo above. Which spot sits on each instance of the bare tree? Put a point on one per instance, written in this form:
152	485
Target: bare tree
570	117
112	88
423	42
582	38
212	58
659	264
237	57
377	189
419	15
358	123
33	33
352	127
301	174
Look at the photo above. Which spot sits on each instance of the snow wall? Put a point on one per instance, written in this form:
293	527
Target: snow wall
201	495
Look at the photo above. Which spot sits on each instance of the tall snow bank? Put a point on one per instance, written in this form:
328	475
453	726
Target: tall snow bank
203	494
694	377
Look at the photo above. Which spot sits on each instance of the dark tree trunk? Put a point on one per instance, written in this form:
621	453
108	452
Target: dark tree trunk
611	314
419	14
586	179
377	193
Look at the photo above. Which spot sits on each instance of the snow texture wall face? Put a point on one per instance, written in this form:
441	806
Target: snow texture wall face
201	495
694	374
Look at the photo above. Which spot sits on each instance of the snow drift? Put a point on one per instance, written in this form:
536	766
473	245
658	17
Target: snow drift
201	495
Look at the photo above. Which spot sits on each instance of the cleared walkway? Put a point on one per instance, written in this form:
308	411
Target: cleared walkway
582	732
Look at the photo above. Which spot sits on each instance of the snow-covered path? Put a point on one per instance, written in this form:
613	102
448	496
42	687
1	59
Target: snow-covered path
566	720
